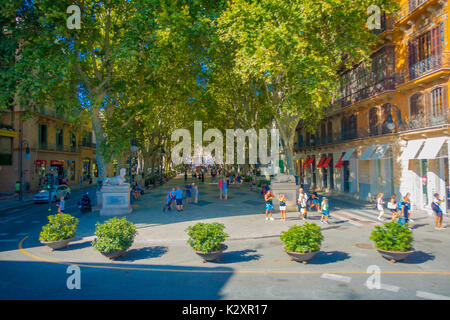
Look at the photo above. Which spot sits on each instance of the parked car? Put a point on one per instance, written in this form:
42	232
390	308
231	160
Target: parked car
58	191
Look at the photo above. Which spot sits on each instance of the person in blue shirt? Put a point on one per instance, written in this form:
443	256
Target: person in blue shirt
436	207
325	208
403	207
179	198
169	200
225	189
188	189
61	205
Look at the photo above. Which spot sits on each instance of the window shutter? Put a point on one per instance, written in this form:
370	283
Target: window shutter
412	57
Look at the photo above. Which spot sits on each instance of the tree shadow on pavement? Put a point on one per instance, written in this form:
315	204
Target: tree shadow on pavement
324	257
143	253
239	256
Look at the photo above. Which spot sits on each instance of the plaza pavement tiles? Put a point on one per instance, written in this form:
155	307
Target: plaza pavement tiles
254	246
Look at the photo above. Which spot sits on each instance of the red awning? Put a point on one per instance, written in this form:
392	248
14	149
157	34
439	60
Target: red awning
340	162
322	160
305	162
327	162
309	162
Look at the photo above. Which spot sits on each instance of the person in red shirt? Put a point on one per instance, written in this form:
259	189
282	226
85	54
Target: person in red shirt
220	184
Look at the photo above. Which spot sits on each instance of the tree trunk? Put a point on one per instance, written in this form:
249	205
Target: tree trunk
287	133
98	131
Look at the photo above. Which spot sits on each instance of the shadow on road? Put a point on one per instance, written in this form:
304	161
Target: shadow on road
144	253
418	257
324	257
239	256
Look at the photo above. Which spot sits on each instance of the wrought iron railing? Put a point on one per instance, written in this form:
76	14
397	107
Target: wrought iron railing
57	147
419	69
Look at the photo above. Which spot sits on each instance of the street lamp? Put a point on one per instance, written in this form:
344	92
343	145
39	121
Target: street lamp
27	155
133	148
163	153
390	124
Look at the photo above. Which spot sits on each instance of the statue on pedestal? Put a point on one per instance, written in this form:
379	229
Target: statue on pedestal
117	180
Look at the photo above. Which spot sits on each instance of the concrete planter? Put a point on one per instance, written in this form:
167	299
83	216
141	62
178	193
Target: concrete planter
395	256
114	254
302	257
213	255
55	245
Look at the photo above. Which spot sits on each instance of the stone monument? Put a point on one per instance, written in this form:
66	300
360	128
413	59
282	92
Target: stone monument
286	185
115	194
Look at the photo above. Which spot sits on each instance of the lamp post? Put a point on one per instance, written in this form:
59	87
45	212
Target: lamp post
27	155
163	153
390	124
133	148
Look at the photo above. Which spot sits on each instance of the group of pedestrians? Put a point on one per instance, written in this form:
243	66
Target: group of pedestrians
302	204
175	195
401	209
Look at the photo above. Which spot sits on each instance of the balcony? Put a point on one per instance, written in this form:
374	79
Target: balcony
88	144
57	147
387	25
422	68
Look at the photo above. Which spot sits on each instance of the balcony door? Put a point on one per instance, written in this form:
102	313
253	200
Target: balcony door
417	110
424	53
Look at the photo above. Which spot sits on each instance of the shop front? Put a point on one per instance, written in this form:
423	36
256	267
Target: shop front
57	166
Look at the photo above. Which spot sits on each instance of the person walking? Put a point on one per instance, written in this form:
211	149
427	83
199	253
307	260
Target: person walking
169	200
225	189
393	206
188	189
185	175
220	184
404	206
179	198
61	205
282	199
17	189
315	201
195	192
268	197
379	205
203	177
325	209
302	203
436	207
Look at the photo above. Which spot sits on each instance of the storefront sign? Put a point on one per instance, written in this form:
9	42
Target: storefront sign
40	162
8	133
57	162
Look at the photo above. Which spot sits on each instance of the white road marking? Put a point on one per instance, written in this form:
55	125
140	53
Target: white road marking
336	277
388	287
431	296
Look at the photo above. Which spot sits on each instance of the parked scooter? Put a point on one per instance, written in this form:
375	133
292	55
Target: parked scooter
85	203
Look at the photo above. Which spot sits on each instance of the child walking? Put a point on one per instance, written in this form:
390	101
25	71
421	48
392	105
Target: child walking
269	204
302	203
325	209
393	206
282	199
61	205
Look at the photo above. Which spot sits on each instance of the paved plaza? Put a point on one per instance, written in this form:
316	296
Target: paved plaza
161	265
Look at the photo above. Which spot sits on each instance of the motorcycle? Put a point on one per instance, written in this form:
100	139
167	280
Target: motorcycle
85	204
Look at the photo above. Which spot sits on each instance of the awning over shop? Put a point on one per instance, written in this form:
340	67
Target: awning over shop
322	160
305	163
432	147
348	154
380	151
340	162
327	162
368	152
411	149
310	161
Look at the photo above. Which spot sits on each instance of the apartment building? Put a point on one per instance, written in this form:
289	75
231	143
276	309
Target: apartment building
54	144
388	129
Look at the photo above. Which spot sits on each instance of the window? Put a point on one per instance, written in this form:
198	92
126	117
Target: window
6	151
330	131
59	138
42	136
373	121
353	126
385	111
437	102
417	106
424	52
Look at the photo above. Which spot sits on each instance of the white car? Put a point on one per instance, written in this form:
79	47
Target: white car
57	192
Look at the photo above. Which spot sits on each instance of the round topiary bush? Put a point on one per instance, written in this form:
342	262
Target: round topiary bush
392	237
114	235
206	237
60	227
302	239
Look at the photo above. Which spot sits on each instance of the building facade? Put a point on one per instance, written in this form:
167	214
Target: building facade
54	144
388	129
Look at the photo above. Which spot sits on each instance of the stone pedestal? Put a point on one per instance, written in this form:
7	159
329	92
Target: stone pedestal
115	200
286	185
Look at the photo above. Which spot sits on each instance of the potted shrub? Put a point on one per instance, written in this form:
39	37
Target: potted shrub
207	240
393	241
59	231
303	242
114	237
